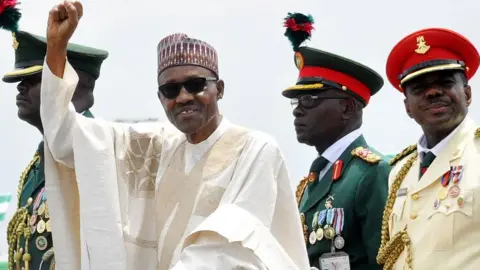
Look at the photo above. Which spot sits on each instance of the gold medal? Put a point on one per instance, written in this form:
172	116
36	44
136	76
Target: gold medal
41	209
442	194
41	226
329	232
41	243
319	234
312	238
47	211
33	219
48	226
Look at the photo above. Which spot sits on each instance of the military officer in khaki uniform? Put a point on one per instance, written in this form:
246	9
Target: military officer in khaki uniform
432	218
342	200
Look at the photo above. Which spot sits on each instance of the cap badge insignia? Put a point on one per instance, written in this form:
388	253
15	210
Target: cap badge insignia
299	60
15	42
422	47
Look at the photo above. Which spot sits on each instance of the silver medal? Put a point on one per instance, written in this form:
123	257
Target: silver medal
339	242
313	238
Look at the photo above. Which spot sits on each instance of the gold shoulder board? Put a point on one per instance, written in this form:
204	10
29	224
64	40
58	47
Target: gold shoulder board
405	152
477	133
366	155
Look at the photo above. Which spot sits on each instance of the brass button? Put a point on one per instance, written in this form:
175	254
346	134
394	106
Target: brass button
413	215
415	196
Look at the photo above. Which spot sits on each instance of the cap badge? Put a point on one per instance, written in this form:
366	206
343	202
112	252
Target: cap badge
299	60
422	46
15	42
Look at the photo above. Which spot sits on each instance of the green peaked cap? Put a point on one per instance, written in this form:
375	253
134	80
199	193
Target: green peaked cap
30	53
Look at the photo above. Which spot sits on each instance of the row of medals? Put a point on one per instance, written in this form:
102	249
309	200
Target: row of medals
329	233
38	224
452	192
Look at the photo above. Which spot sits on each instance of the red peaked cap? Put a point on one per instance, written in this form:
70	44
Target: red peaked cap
430	50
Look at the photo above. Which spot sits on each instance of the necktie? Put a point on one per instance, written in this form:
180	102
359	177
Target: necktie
426	162
317	166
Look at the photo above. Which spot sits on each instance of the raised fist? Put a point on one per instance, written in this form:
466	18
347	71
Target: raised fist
62	22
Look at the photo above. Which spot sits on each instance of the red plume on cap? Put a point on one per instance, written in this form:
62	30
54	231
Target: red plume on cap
9	15
298	28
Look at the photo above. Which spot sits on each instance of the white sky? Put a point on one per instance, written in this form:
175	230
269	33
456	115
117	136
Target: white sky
256	62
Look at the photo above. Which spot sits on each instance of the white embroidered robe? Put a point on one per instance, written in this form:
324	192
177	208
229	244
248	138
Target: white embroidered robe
121	196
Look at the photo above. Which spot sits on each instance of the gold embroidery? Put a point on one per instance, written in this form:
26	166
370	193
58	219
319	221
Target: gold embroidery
477	133
366	155
303	185
179	194
405	152
18	225
422	47
306	86
391	248
141	162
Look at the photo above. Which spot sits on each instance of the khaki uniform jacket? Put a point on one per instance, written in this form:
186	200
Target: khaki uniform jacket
444	233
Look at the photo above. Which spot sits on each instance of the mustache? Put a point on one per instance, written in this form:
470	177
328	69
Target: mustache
435	97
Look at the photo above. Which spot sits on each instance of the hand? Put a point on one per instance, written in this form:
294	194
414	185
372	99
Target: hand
62	22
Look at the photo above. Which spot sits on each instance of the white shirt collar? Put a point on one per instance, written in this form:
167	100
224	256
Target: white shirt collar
224	125
194	152
437	149
335	150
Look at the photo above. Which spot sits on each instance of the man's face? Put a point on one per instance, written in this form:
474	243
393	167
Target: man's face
189	96
318	116
438	101
28	98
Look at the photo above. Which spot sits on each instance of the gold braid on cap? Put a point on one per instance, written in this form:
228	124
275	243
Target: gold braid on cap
390	249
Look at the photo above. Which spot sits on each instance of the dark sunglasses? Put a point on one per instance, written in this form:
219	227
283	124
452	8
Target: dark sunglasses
192	85
308	101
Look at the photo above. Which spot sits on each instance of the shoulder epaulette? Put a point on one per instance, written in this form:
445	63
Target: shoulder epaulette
366	155
405	152
477	133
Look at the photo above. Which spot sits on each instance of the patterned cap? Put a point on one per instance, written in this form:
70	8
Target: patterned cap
180	50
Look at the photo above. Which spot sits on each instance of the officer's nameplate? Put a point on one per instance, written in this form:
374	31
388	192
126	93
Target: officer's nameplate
335	261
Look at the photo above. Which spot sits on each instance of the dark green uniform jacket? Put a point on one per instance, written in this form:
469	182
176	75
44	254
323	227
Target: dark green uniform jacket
354	190
40	241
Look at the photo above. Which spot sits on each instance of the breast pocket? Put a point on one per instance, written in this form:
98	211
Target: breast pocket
396	219
447	223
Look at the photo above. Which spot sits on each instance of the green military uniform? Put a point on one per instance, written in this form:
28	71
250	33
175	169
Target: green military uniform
349	199
29	232
342	211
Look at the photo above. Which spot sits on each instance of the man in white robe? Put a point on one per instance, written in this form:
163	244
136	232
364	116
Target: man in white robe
214	196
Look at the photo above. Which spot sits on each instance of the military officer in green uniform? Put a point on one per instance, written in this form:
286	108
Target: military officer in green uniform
341	200
29	231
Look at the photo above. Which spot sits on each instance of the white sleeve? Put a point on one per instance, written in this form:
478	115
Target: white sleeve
212	251
59	118
241	241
